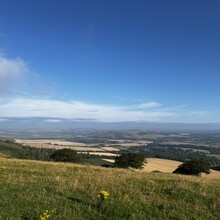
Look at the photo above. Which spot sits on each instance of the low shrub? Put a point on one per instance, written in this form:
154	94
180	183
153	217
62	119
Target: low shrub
125	160
193	167
66	155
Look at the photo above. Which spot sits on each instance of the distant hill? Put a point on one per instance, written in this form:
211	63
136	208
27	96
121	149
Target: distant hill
60	123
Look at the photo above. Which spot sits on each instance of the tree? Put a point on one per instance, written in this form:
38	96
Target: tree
66	155
125	160
193	167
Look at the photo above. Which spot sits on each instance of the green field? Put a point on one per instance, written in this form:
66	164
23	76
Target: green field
68	191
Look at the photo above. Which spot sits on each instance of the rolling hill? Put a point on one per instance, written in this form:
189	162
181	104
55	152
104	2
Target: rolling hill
70	191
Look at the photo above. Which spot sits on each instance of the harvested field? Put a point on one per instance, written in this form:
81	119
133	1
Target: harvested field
101	153
110	149
214	174
57	144
162	165
168	166
129	143
76	148
87	149
132	143
51	142
109	160
60	144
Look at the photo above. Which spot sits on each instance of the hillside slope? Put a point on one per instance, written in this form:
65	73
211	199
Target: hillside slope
69	191
3	155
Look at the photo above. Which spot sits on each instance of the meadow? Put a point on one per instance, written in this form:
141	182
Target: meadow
70	191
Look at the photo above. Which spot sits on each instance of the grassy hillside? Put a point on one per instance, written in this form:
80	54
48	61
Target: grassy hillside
3	155
68	191
16	150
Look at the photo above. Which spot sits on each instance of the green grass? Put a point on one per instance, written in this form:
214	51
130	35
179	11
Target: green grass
97	161
3	155
28	188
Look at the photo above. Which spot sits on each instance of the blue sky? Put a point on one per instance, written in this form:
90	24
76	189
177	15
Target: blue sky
118	60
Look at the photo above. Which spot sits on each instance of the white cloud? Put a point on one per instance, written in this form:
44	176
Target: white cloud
35	107
55	111
149	105
53	120
12	72
198	113
3	119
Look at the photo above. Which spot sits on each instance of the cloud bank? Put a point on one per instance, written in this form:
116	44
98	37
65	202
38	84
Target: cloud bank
149	105
49	108
19	103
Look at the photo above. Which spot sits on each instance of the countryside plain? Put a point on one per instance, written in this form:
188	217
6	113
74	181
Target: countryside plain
34	187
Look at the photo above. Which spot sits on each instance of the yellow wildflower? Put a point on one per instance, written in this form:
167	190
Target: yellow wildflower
46	215
103	194
126	198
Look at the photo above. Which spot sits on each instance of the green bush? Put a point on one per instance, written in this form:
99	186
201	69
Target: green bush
66	155
125	160
193	167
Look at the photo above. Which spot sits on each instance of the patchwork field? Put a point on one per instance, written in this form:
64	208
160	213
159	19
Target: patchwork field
58	144
79	149
93	149
50	142
127	143
184	143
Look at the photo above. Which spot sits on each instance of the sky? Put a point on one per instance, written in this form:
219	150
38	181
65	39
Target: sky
110	60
